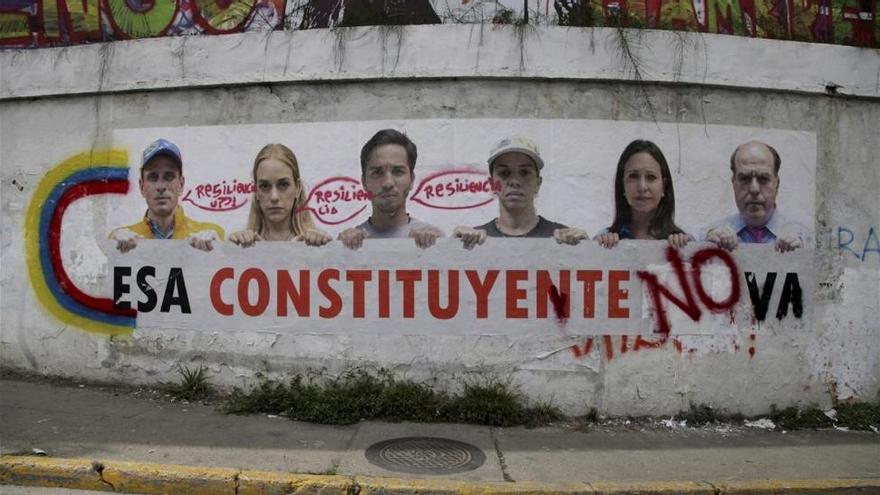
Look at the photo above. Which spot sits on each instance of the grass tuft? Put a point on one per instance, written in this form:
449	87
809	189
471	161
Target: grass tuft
267	397
491	402
358	395
193	384
859	416
699	414
794	418
542	414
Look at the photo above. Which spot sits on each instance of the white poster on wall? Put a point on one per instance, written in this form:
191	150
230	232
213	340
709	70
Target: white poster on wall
580	159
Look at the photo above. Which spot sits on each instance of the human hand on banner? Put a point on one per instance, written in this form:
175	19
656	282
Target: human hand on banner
470	237
245	238
126	239
725	238
314	237
570	236
607	240
425	237
788	243
203	241
352	238
679	240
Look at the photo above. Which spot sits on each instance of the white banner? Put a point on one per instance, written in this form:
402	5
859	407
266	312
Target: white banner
506	286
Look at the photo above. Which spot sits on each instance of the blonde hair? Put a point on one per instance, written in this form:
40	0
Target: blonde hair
300	221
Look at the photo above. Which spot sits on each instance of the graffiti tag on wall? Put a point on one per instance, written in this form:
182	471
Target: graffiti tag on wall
39	23
220	196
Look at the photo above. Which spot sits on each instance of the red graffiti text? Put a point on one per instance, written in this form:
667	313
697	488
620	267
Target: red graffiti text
220	196
337	200
456	190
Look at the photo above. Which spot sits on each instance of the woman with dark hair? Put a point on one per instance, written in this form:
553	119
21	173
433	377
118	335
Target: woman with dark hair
644	199
276	209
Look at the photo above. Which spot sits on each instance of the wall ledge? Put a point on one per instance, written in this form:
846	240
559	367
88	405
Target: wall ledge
439	51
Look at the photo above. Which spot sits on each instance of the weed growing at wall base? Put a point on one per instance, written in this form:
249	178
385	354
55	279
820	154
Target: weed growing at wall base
358	395
793	418
193	384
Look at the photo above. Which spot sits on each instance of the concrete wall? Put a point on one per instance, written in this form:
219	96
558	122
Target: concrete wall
57	103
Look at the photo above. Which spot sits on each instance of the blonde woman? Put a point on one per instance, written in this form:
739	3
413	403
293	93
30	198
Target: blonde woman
278	197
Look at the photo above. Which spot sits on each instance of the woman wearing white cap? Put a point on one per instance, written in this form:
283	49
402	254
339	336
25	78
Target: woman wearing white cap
276	213
515	166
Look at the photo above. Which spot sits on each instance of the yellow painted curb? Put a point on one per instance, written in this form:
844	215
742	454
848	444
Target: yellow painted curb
44	471
275	483
800	487
380	486
174	479
652	488
133	477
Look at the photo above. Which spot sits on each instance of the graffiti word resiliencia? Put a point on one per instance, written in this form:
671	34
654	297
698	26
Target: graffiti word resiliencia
220	196
456	190
337	200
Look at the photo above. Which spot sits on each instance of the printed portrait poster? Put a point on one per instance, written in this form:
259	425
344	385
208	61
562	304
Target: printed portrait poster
505	286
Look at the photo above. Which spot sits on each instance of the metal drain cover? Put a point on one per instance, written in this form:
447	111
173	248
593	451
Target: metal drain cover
425	455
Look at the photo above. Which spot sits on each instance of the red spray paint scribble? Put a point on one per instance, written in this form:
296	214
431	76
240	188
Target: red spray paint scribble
650	344
337	200
624	346
560	304
688	303
640	343
588	348
692	291
609	350
220	196
456	189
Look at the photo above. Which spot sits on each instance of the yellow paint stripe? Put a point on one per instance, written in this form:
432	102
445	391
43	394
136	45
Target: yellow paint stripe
173	479
82	161
155	478
43	471
262	483
378	486
782	487
654	488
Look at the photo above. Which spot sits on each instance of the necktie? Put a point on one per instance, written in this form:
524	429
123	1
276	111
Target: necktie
757	234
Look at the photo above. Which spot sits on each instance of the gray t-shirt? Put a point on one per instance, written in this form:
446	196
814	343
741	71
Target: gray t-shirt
544	228
402	231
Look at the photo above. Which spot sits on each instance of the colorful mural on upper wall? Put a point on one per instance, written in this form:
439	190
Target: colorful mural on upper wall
44	23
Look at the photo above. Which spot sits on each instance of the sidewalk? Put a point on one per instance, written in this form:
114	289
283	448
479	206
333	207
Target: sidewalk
100	440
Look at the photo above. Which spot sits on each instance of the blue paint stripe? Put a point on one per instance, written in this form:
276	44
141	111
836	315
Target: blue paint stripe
48	210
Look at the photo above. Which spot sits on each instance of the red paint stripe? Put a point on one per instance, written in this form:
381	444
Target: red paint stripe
607	343
76	192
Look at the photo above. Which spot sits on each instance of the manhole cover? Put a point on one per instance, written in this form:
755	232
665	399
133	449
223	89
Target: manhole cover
425	455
